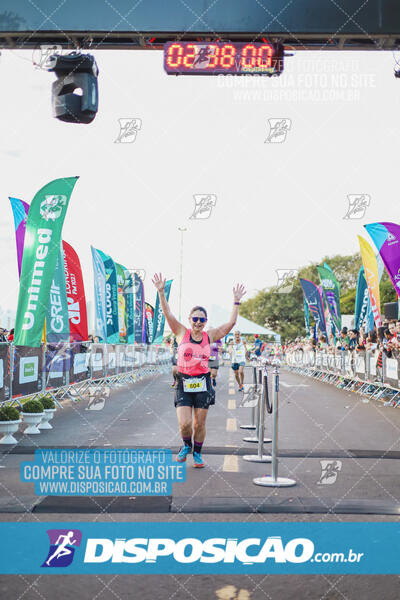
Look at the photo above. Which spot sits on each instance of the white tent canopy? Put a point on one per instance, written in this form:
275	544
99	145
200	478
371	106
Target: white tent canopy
218	316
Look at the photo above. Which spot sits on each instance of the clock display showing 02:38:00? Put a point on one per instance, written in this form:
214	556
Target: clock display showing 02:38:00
191	58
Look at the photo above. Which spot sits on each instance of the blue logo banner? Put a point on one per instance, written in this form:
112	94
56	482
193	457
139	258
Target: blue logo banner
207	548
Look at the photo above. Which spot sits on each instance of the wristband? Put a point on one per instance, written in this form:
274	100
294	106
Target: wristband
237	303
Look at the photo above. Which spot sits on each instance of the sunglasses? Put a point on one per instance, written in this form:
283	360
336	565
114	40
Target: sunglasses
201	319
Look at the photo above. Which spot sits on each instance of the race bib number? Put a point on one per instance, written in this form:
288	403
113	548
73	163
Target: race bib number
195	384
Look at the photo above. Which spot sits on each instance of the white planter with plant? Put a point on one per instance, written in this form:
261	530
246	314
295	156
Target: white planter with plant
49	410
9	423
32	413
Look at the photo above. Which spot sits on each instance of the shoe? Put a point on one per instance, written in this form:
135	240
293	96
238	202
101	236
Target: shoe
241	389
198	461
183	452
214	382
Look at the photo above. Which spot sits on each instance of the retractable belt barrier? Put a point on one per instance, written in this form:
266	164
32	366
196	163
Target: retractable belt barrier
263	404
273	480
372	374
75	368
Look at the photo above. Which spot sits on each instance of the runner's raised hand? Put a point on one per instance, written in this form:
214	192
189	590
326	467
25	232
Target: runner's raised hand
159	282
238	292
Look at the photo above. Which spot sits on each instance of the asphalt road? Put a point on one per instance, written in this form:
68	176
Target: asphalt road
317	423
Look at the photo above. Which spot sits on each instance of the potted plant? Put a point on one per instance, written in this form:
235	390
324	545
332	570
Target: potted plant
49	410
9	422
33	413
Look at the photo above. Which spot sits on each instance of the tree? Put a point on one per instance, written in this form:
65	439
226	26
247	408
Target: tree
284	313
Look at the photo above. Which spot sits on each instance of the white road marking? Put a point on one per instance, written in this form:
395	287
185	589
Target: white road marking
231	404
231	392
231	463
231	424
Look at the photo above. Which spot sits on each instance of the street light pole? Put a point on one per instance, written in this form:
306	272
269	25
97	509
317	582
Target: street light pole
182	230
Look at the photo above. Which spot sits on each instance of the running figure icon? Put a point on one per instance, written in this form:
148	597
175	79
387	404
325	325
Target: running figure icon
62	549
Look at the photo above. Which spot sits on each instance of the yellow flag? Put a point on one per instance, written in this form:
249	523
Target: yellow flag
371	275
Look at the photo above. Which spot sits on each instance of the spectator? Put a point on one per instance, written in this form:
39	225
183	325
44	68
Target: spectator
387	343
257	348
322	342
372	341
344	339
10	337
353	335
3	335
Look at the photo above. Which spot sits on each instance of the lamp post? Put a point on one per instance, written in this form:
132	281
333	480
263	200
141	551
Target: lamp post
182	230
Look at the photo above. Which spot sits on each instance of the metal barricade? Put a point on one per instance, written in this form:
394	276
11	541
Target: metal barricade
72	370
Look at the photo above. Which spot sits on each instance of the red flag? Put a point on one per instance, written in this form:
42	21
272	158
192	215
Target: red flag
75	294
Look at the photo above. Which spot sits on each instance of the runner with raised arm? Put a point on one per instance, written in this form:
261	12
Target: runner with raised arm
194	392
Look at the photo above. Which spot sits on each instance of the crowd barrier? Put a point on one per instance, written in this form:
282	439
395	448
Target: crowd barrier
71	369
353	370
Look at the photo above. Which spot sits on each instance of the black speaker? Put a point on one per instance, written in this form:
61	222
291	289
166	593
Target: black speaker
75	73
390	310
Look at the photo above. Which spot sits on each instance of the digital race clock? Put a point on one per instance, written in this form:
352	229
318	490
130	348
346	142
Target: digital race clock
228	58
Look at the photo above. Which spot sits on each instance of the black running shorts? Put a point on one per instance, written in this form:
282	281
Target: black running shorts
195	399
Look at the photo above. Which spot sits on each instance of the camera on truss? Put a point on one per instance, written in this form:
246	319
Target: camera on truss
74	94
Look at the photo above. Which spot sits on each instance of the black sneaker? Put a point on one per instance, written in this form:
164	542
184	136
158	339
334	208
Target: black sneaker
214	381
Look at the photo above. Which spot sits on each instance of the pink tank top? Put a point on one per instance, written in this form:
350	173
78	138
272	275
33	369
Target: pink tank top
192	357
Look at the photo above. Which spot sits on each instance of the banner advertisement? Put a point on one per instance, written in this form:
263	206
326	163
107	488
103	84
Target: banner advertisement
129	295
57	322
98	361
111	299
28	371
79	367
139	309
371	274
41	247
159	319
207	548
20	211
4	372
149	314
77	314
331	294
362	301
314	300
386	238
99	272
121	303
58	364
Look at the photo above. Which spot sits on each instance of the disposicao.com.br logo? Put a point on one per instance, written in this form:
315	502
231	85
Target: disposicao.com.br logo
213	550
